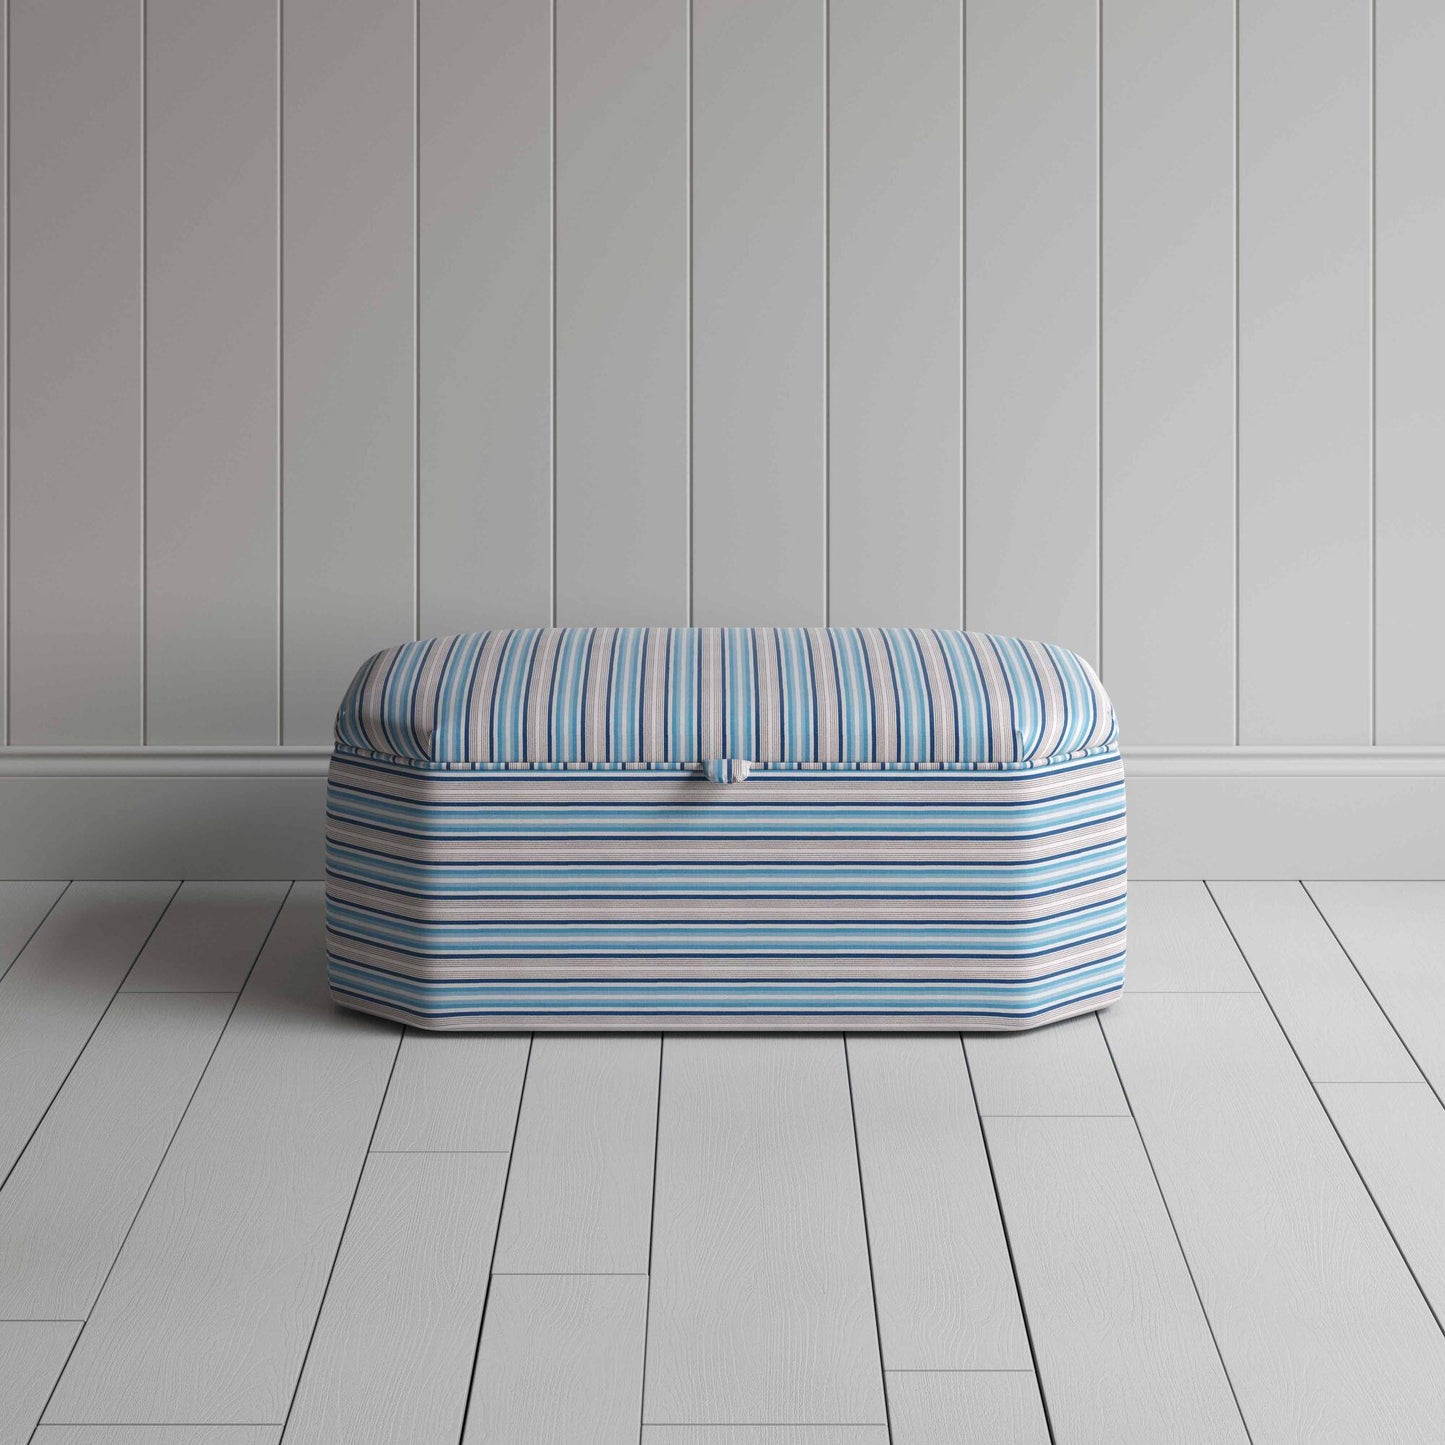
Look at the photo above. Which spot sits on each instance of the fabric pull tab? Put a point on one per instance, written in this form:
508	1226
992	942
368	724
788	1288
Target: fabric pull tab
726	770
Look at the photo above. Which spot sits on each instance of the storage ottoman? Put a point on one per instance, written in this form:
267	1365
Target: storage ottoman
725	828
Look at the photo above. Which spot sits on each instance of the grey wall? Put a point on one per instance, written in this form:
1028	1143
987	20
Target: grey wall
1115	325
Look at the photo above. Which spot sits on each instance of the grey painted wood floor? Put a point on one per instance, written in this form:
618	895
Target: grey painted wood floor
233	1214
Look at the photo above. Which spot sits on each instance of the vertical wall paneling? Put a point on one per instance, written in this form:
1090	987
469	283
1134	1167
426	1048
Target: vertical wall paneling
211	362
348	364
1167	373
621	77
1111	322
895	173
1304	371
1032	297
1409	368
4	372
484	344
759	324
75	371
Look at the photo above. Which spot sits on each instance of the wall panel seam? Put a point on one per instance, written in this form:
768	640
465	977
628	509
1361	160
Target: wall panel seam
144	371
280	374
416	318
5	481
1374	569
1235	363
1099	336
690	130
827	313
552	271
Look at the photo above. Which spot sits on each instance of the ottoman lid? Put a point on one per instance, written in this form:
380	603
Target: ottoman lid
845	696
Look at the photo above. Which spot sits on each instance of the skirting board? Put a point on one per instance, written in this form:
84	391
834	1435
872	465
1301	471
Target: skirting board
161	827
258	812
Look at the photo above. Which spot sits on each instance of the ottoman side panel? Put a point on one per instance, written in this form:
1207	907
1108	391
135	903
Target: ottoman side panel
494	898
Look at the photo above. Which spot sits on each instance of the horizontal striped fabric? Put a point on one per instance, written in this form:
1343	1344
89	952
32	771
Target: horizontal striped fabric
920	888
769	695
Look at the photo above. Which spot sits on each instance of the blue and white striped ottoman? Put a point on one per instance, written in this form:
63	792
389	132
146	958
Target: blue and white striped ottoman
725	828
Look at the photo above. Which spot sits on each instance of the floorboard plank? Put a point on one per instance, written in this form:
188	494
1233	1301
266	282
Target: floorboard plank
1395	935
1321	1002
989	1407
158	1435
208	939
23	907
764	1435
398	1331
1396	1135
453	1091
208	1311
54	994
1124	1350
1064	1068
761	1309
941	1273
32	1355
1178	943
1325	1336
579	1199
65	1210
560	1359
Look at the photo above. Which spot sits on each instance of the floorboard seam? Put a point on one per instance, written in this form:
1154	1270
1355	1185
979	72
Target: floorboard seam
436	1151
1325	1110
30	936
1178	1242
79	1053
1377	1083
568	1274
496	1235
165	1154
867	1235
341	1238
1008	1245
167	992
68	1354
642	1420
1384	1012
1195	992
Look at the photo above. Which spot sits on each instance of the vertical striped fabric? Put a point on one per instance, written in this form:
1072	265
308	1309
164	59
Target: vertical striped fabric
725	828
686	695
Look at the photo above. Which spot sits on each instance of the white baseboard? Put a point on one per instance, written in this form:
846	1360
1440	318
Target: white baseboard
257	812
1277	762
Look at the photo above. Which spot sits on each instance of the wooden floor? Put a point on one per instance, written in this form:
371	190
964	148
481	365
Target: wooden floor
232	1214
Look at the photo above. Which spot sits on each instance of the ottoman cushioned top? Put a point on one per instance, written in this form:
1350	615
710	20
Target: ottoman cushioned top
679	695
677	828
